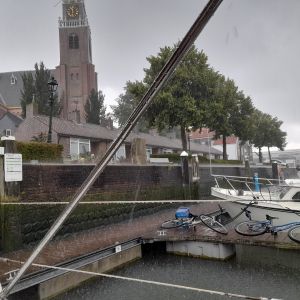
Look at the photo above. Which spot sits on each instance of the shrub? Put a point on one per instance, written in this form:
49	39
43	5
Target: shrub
40	151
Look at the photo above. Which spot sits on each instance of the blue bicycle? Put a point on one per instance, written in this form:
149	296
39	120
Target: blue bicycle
254	228
184	218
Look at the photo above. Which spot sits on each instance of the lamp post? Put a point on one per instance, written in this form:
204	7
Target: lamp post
185	173
52	87
189	130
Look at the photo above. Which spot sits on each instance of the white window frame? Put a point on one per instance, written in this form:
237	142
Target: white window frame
120	154
79	141
13	79
148	153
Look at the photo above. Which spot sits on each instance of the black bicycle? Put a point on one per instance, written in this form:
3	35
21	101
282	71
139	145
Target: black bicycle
191	220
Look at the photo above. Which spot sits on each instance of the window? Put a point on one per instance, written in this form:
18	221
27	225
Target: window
7	132
148	153
120	154
296	197
13	79
166	151
79	148
73	41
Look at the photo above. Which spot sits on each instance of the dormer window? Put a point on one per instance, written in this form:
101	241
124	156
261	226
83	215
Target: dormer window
73	41
13	79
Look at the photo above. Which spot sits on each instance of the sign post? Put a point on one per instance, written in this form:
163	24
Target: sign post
13	167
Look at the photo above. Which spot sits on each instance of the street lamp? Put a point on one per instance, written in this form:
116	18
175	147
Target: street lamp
189	130
185	173
52	87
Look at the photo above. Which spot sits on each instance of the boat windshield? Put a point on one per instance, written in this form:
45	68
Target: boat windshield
284	191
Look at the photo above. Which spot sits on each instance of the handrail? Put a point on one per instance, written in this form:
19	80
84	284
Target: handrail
242	177
238	179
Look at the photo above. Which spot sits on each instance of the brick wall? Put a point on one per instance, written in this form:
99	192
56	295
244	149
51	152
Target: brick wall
58	182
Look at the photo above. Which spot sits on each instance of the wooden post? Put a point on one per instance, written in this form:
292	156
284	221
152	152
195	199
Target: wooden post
10	225
2	188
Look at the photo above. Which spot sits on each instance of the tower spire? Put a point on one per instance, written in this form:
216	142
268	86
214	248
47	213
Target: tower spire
76	73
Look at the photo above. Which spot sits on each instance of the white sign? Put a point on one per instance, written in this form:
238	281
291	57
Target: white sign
1	150
118	248
13	167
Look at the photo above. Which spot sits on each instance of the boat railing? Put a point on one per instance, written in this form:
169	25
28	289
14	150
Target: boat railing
247	182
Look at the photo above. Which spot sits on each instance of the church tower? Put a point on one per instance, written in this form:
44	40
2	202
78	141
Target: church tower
76	73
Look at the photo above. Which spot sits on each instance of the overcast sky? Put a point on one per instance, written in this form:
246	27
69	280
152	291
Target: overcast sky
254	42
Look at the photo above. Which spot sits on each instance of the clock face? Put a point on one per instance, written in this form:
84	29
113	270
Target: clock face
73	11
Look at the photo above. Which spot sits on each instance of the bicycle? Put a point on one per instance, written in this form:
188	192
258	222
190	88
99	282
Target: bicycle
189	220
255	228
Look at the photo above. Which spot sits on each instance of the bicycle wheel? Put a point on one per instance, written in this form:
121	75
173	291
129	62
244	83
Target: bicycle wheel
171	224
213	224
294	234
250	228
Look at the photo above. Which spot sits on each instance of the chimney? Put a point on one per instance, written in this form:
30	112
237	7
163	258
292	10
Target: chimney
31	108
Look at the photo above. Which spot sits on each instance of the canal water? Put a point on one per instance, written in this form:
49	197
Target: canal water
270	282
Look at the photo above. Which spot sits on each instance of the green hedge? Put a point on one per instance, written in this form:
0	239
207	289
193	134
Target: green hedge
40	151
175	158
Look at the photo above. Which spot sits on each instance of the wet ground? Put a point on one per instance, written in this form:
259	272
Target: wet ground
279	283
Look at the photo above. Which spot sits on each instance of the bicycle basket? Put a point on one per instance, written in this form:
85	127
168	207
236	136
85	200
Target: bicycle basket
182	212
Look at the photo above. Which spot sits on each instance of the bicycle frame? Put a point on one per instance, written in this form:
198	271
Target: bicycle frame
270	227
275	229
187	222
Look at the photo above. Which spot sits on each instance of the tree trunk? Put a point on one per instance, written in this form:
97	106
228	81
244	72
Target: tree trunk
240	154
224	148
270	158
183	138
259	154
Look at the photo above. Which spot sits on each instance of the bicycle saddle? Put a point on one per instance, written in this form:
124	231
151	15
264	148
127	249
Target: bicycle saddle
271	218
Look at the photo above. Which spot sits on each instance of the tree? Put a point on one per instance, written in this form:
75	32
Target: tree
242	120
179	103
222	110
127	102
28	92
95	109
276	137
37	87
267	133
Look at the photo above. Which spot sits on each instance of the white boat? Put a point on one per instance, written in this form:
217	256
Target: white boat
274	198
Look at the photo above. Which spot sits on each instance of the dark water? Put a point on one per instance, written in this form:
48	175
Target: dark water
213	275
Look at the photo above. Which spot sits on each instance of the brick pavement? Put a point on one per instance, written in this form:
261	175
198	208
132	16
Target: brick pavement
58	251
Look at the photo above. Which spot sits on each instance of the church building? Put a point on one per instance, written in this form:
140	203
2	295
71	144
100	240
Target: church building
76	73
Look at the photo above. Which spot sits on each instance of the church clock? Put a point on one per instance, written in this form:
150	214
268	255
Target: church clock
76	73
73	11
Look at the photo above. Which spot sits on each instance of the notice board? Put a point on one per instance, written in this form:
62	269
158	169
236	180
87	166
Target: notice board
13	167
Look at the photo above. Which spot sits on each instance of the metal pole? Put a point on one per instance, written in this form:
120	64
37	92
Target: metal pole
49	139
160	80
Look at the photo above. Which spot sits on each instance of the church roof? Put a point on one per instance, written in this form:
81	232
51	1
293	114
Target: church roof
5	112
11	85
